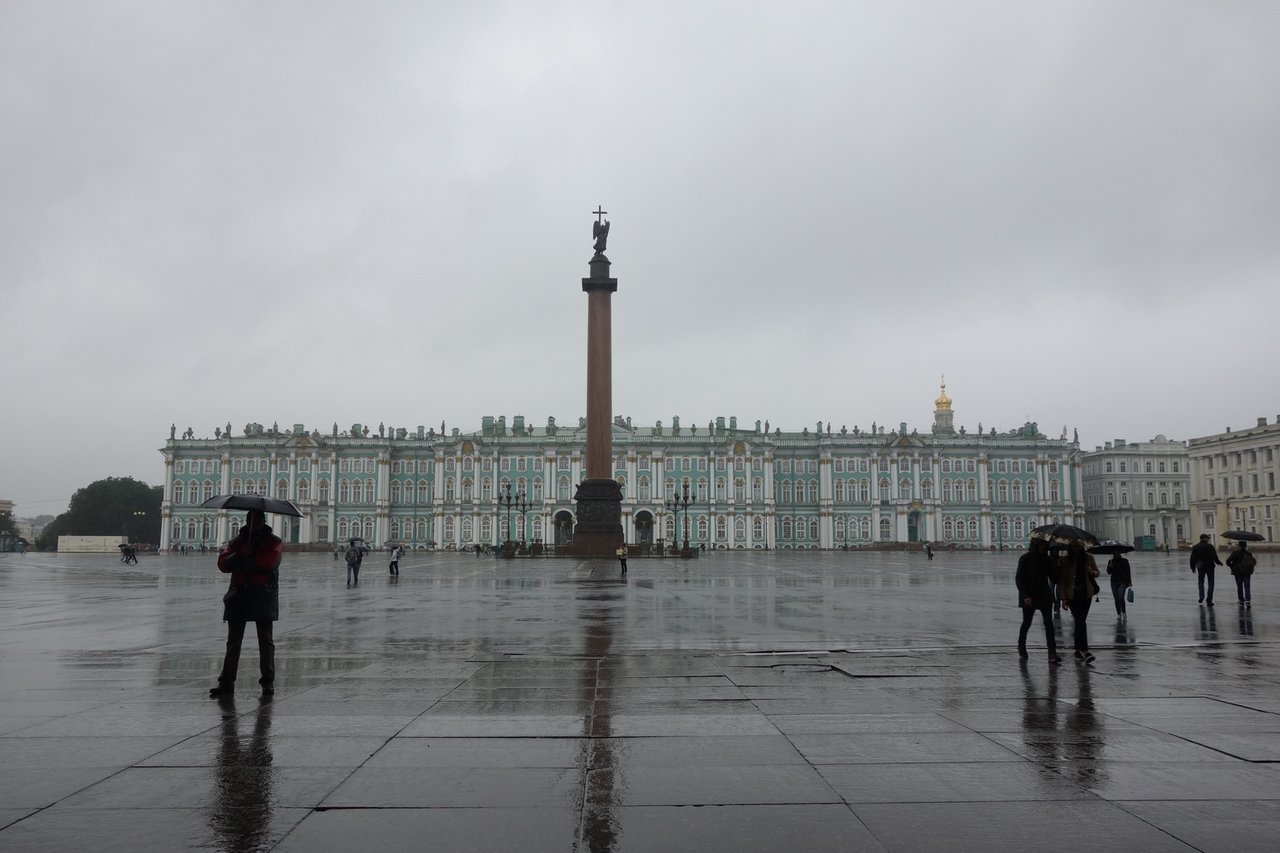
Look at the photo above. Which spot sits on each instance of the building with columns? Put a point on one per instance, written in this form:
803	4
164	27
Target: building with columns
1233	481
750	487
1136	489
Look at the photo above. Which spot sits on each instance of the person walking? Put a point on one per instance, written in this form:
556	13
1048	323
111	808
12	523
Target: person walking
928	551
1035	570
1121	580
1076	585
394	568
622	557
252	559
1241	562
1203	558
355	555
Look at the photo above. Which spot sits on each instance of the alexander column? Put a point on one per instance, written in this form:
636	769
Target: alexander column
599	498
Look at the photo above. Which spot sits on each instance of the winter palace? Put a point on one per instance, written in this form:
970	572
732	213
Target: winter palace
747	488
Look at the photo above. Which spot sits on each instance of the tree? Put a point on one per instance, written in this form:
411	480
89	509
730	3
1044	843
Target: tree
116	506
7	524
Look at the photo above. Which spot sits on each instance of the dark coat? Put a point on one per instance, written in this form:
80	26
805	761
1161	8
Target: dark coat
1118	568
1239	565
254	566
1069	568
1205	554
1033	576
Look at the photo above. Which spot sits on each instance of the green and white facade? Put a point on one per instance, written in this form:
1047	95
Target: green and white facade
750	488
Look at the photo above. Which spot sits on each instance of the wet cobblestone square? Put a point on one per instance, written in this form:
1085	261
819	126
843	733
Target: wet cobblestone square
742	701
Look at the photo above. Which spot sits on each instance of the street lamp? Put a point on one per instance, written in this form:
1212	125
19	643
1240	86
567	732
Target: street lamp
681	501
138	514
1164	530
522	507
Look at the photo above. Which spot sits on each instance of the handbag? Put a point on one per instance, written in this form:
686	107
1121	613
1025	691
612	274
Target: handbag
1129	595
230	595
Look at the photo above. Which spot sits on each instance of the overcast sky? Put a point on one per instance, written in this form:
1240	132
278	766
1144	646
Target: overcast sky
309	212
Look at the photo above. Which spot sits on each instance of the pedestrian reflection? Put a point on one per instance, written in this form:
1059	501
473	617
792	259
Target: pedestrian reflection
1246	623
597	760
240	815
1208	624
1125	635
1040	716
1085	736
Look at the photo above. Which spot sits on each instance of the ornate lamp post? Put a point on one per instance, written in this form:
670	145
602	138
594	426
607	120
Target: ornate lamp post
522	507
506	500
678	502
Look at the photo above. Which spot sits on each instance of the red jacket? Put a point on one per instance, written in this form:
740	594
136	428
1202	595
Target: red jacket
252	563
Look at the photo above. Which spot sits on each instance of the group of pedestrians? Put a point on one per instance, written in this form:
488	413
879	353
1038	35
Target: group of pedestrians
1241	562
1048	583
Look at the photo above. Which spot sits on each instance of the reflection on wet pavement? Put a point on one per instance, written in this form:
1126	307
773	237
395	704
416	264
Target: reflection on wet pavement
744	701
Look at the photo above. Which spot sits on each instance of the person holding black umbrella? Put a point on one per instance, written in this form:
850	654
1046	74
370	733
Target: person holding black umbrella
1241	562
1076	585
252	559
1121	580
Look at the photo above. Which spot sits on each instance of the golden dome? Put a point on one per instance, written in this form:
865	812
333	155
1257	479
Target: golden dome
943	403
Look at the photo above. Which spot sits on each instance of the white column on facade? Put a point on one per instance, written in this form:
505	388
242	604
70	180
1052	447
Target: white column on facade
166	503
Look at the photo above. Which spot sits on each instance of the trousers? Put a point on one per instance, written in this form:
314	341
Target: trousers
1203	574
1028	616
266	653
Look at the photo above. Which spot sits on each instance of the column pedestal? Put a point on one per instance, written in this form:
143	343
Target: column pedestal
599	529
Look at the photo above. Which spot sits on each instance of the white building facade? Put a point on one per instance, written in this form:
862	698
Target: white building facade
1233	477
1136	490
749	487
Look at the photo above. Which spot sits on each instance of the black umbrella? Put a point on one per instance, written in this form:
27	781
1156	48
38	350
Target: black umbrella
1244	536
280	506
1110	546
1063	534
